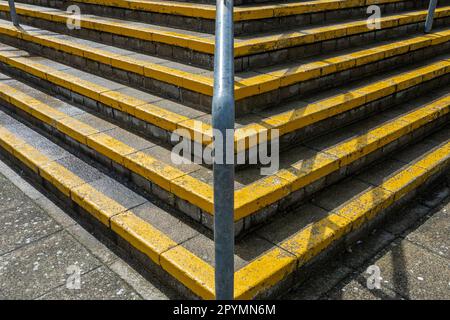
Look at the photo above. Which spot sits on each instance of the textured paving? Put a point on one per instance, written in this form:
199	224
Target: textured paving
41	246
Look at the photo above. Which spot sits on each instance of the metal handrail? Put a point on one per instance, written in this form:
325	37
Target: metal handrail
223	125
13	13
430	16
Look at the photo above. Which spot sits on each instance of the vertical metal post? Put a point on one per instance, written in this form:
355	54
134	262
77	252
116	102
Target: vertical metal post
430	16
223	121
13	13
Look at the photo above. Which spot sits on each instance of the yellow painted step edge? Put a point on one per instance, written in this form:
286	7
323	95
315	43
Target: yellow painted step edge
275	265
305	115
165	176
197	130
275	42
241	13
243	88
150	113
183	265
242	48
248	199
270	189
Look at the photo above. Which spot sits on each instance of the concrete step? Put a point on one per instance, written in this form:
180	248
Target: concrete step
249	19
254	90
198	48
268	261
188	187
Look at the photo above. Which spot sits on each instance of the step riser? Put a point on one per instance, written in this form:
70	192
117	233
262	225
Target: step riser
203	102
142	263
241	63
240	27
247	223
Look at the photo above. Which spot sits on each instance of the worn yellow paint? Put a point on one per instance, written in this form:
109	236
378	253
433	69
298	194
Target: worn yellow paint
190	270
154	115
96	203
241	13
9	141
405	181
266	191
314	238
120	101
259	275
194	191
439	158
60	177
141	235
109	147
198	130
159	117
243	88
75	129
363	207
242	48
258	195
180	263
31	157
262	273
152	169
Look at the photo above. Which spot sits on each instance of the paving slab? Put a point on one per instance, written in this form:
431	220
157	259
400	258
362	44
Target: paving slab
24	224
366	248
357	290
414	272
33	270
11	196
434	234
99	284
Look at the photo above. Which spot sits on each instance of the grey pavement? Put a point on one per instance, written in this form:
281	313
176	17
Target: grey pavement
45	254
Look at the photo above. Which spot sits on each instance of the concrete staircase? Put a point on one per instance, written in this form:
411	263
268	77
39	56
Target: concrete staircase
91	114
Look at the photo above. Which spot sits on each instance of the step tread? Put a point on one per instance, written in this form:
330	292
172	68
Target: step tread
263	258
